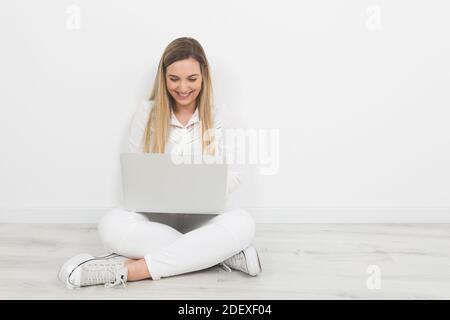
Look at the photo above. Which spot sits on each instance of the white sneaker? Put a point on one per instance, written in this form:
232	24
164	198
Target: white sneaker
246	261
87	270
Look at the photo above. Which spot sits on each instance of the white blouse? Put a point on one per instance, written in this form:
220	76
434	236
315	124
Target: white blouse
182	139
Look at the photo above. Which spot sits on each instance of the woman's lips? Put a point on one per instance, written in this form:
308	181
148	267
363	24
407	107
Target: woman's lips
183	96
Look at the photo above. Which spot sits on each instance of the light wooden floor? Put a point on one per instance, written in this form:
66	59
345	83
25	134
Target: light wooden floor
300	261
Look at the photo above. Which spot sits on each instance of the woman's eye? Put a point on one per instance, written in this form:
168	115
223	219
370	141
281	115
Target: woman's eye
192	80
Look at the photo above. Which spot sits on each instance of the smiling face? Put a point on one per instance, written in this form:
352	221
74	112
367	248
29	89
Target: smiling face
184	82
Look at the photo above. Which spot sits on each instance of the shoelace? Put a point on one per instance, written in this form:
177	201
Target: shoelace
239	261
224	266
99	273
235	262
119	280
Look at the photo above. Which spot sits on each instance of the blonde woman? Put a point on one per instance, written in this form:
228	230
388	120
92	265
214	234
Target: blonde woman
153	246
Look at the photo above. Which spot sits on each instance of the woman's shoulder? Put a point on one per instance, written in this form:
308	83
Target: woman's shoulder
142	112
144	109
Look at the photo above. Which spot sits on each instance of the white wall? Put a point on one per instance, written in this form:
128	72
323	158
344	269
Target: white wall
358	89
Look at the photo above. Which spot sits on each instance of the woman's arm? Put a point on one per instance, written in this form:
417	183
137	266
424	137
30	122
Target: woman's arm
234	178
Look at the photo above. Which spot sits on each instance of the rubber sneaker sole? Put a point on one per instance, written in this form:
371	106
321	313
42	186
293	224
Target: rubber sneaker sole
253	262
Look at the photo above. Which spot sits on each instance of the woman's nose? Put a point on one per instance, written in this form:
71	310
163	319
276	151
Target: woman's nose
184	87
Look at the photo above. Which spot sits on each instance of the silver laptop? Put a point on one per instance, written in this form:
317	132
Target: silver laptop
154	182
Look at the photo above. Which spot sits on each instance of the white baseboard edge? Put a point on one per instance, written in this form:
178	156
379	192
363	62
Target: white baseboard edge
355	214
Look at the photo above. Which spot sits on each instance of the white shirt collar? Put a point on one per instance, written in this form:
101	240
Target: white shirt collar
174	121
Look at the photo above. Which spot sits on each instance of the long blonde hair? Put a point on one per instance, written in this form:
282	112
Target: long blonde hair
158	125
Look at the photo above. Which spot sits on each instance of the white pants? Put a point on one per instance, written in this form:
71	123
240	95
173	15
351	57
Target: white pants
174	244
